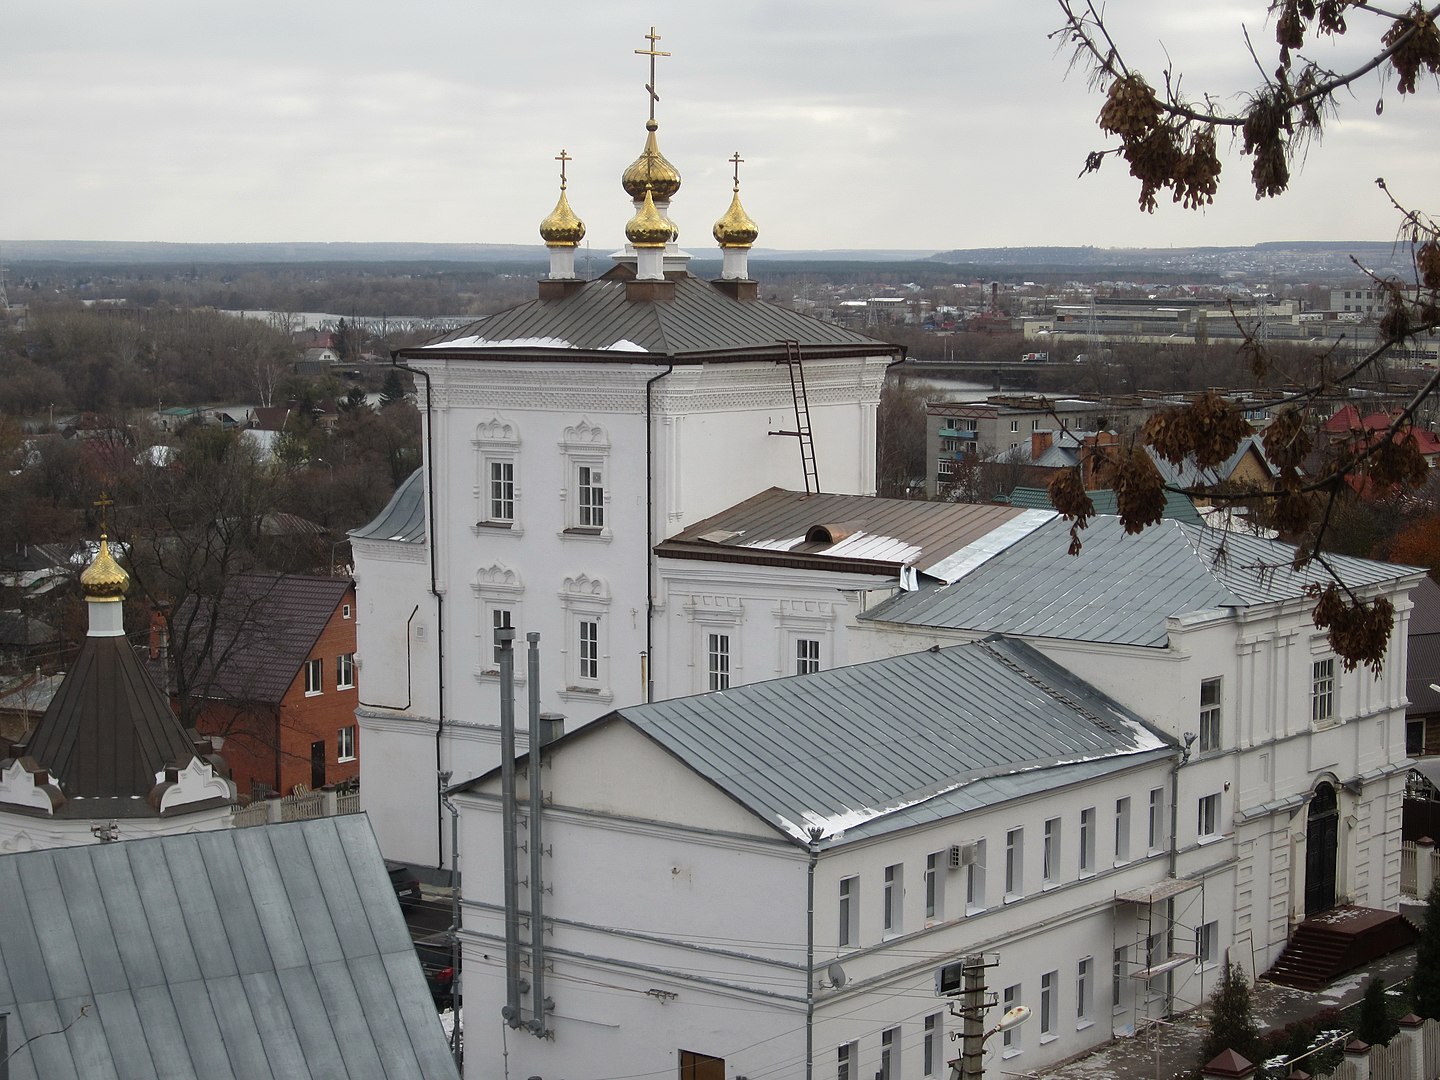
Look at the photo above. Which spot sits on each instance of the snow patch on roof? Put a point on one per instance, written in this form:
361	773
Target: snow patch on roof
956	565
475	341
624	345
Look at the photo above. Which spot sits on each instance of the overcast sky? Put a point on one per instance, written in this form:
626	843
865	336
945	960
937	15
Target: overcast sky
925	124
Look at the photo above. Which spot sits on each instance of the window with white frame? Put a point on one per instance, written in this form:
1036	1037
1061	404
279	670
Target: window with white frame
847	1062
1322	690
498	591
345	611
850	911
1014	425
1050	855
1208	823
1010	1038
345	671
1207	943
1047	1003
975	880
588	636
1119	968
935	884
807	656
1122	830
497	447
314	677
931	1048
587	454
345	743
501	618
889	1054
1087	840
590	492
1209	715
892	899
1014	863
717	653
1155	829
1084	988
585	601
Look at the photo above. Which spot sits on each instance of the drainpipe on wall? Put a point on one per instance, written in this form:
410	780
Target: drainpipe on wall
1181	757
650	536
537	850
504	639
814	849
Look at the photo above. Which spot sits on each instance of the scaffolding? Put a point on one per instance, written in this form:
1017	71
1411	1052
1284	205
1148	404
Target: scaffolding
1168	917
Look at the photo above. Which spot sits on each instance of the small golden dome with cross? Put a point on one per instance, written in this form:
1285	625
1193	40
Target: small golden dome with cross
735	229
104	579
562	229
648	228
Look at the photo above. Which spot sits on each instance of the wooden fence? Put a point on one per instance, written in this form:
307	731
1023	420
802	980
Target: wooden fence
300	805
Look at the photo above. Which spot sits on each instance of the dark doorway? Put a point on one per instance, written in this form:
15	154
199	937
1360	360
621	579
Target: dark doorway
317	765
695	1066
1321	846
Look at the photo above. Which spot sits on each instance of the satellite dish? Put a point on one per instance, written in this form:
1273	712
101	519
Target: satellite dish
837	975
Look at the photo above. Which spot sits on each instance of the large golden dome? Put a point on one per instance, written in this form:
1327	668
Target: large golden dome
648	228
562	228
735	229
651	172
104	579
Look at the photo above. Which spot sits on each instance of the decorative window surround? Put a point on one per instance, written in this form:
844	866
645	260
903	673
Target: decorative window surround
496	588
587	678
497	445
714	615
803	620
587	491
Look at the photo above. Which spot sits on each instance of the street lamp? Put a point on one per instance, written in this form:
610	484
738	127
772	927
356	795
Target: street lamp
971	1066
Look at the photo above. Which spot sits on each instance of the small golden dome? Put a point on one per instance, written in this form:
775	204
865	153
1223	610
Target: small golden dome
651	172
104	579
648	228
562	228
735	229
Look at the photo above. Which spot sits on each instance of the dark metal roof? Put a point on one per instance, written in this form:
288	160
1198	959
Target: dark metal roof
19	631
1120	588
266	628
1177	506
889	744
108	730
846	529
1422	666
700	320
403	519
277	951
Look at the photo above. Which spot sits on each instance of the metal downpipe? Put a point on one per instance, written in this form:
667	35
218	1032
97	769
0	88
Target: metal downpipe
504	640
537	849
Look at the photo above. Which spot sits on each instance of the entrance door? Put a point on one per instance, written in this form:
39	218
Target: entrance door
695	1066
1321	845
317	765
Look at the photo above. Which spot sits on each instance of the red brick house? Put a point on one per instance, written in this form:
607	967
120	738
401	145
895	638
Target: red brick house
278	685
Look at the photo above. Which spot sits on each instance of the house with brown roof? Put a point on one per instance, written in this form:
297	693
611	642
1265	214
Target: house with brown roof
272	668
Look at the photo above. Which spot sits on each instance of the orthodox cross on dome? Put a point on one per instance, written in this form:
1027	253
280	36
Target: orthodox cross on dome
651	52
563	158
104	502
737	161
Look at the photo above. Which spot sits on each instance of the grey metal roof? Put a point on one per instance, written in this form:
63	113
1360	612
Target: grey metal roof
1120	588
830	529
881	746
1188	474
1177	506
700	320
403	519
275	952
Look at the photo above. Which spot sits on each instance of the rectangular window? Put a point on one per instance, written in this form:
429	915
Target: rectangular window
967	425
591	485
807	656
1014	425
1009	998
848	1062
314	676
1014	863
1322	690
1084	988
849	911
1209	817
345	611
935	884
894	898
589	654
1047	1003
975	880
1050	868
1209	715
345	743
1207	942
1034	425
719	661
1122	830
1155	832
931	1046
499	617
502	491
1119	968
890	1054
1087	840
345	671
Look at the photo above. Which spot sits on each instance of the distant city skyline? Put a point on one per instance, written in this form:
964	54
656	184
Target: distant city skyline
920	125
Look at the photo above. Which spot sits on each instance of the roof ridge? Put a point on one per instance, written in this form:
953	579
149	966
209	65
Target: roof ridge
1035	680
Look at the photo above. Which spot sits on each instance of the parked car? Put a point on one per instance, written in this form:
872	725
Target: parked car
407	885
437	962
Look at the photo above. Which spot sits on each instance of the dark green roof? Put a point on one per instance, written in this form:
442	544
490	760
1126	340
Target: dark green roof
1177	507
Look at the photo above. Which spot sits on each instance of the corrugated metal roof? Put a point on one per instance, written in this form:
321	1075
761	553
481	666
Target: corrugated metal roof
268	952
881	746
403	519
1177	506
700	319
901	532
1120	588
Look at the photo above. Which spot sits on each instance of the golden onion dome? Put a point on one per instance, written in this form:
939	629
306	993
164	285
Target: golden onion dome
651	172
735	229
104	579
562	228
648	228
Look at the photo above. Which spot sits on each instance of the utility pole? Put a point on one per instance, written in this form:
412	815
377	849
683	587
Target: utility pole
975	1001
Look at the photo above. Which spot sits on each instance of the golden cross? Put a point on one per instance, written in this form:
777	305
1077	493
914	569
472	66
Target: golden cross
104	502
737	161
651	52
563	158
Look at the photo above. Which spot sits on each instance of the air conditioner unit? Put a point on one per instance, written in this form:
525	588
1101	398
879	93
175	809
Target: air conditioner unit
962	854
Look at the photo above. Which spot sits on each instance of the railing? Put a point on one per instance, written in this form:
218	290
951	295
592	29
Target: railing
1419	868
300	805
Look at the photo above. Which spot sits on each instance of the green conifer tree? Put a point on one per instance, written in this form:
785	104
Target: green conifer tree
392	390
1232	1024
1374	1025
1426	984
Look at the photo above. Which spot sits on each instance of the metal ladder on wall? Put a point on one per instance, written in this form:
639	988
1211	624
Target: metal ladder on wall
802	432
